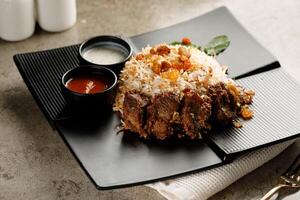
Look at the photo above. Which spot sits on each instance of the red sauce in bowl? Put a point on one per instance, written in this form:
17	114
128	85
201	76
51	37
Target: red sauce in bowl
88	84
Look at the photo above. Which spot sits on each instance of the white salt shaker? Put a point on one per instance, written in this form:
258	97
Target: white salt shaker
17	19
56	15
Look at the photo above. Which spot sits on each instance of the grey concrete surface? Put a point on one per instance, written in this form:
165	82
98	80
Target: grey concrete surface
34	161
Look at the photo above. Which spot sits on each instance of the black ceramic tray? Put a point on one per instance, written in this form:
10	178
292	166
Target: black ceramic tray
115	160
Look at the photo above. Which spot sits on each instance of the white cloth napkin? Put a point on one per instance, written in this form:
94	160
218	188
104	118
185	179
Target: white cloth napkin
204	184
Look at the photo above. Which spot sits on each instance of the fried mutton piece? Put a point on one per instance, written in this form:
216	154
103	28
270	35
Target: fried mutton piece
134	111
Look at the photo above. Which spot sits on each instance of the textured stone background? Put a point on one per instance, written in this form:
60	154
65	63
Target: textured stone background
34	161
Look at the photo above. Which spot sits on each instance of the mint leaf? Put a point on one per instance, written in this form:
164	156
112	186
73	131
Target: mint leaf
217	45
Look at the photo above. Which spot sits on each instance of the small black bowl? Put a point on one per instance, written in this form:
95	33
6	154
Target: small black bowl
89	103
106	41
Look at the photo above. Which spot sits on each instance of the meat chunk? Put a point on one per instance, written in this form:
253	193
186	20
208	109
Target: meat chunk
196	112
159	115
134	108
166	115
224	104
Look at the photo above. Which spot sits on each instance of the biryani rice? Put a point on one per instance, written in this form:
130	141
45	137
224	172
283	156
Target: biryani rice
138	74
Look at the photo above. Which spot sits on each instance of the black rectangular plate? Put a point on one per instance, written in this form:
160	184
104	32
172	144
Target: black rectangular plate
244	55
276	113
114	160
42	72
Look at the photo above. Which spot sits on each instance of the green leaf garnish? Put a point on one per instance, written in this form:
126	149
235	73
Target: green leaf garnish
217	45
176	43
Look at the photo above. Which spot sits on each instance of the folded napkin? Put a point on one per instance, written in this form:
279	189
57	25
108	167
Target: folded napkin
204	184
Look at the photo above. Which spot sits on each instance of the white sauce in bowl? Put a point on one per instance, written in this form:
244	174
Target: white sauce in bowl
104	55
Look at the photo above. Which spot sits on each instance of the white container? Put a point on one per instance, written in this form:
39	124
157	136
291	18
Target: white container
17	19
56	15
